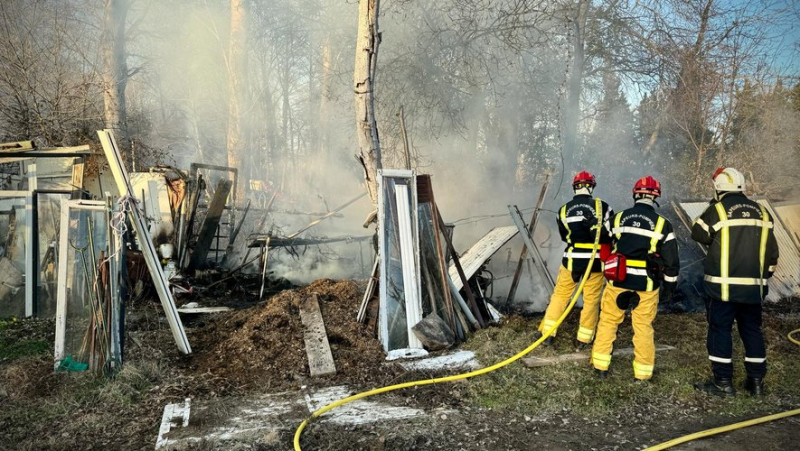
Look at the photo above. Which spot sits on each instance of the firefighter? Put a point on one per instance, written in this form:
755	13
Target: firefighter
576	221
644	258
742	255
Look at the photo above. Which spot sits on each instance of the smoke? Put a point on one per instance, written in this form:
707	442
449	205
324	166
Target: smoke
484	91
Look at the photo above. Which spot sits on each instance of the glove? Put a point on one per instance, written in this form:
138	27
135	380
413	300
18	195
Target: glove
590	221
667	291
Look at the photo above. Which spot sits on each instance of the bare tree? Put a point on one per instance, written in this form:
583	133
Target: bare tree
369	146
115	70
236	73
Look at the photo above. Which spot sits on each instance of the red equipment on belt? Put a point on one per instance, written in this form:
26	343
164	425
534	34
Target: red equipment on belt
615	268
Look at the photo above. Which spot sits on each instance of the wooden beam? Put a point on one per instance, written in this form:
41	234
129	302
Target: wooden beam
77	178
320	359
372	285
512	292
516	216
462	277
210	223
535	362
16	146
148	249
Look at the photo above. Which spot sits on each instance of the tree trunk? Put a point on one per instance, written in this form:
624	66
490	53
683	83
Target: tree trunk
369	149
115	72
573	111
236	70
326	79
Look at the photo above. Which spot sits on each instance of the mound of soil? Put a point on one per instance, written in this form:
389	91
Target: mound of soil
263	345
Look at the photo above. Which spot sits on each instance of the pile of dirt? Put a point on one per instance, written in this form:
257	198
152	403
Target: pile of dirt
262	346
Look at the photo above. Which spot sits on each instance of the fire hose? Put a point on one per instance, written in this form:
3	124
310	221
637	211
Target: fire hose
458	377
534	345
730	427
792	339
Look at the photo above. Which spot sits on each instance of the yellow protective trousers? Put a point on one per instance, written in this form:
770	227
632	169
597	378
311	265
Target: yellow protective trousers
644	349
562	293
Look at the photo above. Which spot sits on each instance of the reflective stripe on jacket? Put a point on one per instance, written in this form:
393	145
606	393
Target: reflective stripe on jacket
742	250
638	232
577	233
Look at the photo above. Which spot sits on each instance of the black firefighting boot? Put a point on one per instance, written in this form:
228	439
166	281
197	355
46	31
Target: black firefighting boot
754	385
600	374
581	346
719	386
547	341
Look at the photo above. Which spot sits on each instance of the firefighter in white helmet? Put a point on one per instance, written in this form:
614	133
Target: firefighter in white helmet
742	255
576	221
644	259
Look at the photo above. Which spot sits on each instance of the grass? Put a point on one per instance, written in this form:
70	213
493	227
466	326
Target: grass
572	386
13	347
10	350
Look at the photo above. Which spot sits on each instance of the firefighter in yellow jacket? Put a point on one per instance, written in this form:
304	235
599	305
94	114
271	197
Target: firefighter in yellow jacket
645	256
576	220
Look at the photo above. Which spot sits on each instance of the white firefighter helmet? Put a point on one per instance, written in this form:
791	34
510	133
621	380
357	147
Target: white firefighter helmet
728	180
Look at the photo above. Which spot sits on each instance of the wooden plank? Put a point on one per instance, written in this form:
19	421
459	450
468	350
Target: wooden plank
320	359
477	255
210	223
175	415
534	362
370	291
77	178
204	310
547	279
531	228
148	249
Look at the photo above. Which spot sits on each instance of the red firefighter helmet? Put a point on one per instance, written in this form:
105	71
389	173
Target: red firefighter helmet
647	185
584	178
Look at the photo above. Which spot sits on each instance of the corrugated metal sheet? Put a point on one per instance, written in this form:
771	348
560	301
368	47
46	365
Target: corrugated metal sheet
477	255
786	280
789	212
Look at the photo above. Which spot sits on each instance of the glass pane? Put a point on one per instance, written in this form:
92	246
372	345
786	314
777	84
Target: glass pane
12	257
433	299
395	214
87	338
48	209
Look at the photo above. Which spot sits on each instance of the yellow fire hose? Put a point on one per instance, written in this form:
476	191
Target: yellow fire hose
547	333
730	427
721	429
457	377
792	339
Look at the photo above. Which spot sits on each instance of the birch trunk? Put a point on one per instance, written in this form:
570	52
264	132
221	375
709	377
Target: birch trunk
235	69
326	78
369	149
573	110
115	72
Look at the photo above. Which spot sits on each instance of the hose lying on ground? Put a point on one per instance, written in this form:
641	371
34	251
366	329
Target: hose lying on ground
792	339
457	377
721	429
730	427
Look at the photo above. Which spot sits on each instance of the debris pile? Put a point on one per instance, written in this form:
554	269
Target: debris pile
263	344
